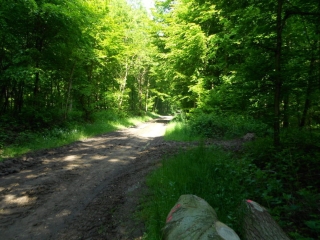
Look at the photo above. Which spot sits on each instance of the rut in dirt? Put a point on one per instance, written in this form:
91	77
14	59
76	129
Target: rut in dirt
72	191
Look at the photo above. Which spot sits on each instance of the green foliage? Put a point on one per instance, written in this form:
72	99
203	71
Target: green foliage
284	178
225	125
294	197
179	131
65	60
237	70
206	172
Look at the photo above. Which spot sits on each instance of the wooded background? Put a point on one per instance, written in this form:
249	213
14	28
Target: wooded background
224	68
68	59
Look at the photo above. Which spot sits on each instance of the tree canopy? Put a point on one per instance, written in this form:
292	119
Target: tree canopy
62	60
258	58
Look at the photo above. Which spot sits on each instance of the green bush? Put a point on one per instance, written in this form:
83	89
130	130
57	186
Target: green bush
226	126
294	200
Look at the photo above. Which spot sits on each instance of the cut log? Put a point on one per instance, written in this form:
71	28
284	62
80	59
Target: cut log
259	225
192	218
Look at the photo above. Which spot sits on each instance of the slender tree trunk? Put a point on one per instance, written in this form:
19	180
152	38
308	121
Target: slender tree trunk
69	91
139	92
140	88
147	96
38	45
155	104
36	88
312	70
307	103
123	84
278	80
286	97
20	97
286	111
5	105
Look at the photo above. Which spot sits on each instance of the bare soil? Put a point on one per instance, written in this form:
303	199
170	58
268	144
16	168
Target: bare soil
86	190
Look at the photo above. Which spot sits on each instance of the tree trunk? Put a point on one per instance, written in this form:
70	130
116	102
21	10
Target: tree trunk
312	69
147	96
192	218
4	100
307	105
286	111
278	81
155	104
123	84
69	91
258	224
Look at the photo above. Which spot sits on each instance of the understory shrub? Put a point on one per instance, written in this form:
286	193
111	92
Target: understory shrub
295	165
226	126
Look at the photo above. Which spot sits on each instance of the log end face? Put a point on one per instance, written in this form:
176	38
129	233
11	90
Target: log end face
255	205
225	232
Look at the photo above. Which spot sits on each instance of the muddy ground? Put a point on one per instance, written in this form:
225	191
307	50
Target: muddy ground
86	190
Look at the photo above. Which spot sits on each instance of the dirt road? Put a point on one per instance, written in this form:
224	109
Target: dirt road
86	190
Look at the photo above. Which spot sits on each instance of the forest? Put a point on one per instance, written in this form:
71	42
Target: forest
223	68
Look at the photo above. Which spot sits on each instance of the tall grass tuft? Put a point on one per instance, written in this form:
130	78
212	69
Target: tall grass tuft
209	173
179	131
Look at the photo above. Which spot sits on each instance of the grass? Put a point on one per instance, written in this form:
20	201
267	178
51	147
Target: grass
179	131
45	139
209	173
285	180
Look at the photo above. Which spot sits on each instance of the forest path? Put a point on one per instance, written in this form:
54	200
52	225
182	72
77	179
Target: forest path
85	190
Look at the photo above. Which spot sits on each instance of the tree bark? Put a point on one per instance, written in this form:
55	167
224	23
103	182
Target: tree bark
69	91
258	224
278	81
192	218
147	95
307	105
123	84
286	111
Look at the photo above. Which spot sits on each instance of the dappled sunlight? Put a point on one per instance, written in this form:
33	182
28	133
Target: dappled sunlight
71	157
20	201
71	166
62	181
64	213
31	176
114	160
